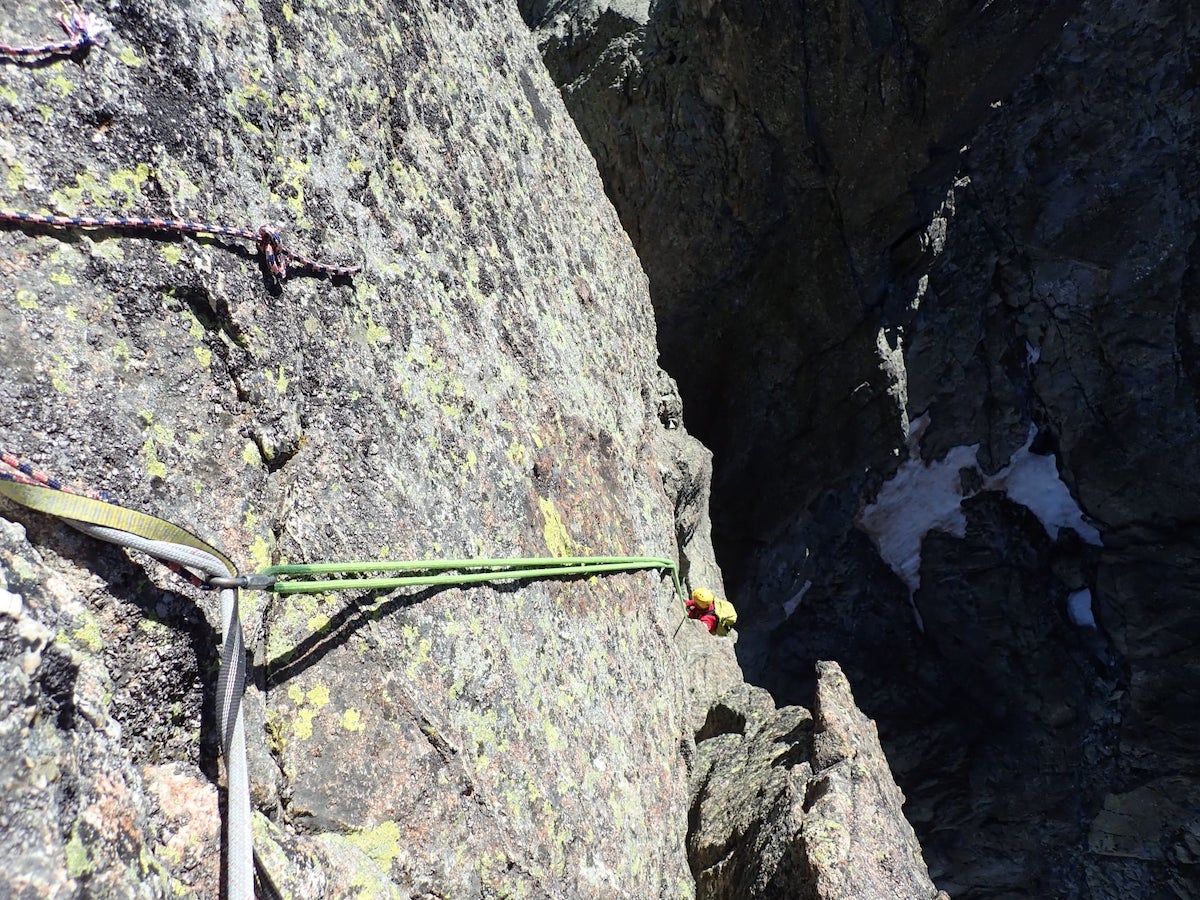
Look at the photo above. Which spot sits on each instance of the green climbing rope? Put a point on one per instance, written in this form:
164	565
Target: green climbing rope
454	572
177	546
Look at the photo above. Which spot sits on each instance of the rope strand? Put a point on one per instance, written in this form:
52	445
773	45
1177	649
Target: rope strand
266	238
30	475
84	30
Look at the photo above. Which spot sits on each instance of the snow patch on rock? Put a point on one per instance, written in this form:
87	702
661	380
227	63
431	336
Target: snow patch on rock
926	495
1079	609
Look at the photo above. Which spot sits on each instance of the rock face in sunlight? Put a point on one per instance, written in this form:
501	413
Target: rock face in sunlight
487	386
796	804
855	218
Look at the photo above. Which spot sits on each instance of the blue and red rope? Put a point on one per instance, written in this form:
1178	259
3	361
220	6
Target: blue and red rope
27	474
84	30
267	239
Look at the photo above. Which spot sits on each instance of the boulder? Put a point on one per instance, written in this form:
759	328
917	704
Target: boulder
789	803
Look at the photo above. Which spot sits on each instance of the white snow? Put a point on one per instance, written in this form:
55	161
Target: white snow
1079	608
790	605
1032	480
923	496
891	361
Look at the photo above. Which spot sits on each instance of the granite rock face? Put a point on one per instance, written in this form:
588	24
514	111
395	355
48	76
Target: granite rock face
857	841
487	386
926	275
796	804
75	807
780	802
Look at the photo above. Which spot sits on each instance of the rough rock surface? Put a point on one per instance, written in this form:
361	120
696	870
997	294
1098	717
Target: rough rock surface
857	841
942	254
77	806
793	804
488	386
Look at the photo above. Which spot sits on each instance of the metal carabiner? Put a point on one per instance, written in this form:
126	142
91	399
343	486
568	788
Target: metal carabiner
245	582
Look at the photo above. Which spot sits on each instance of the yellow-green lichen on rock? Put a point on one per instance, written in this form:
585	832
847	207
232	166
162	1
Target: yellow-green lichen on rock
459	397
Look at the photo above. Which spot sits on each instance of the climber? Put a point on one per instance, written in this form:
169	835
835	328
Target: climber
717	614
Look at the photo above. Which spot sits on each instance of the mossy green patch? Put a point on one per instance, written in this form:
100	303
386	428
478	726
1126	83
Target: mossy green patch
260	552
352	720
276	736
318	696
155	467
250	604
195	326
79	863
151	867
106	249
381	843
376	333
419	658
129	58
15	177
554	738
827	843
60	374
558	540
250	128
152	626
62	84
87	191
128	182
302	726
87	635
156	436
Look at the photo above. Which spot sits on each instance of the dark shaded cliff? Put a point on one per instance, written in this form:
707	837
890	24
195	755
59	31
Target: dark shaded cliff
926	275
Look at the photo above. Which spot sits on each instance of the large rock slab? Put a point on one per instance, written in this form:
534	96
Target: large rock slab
926	276
789	803
488	386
